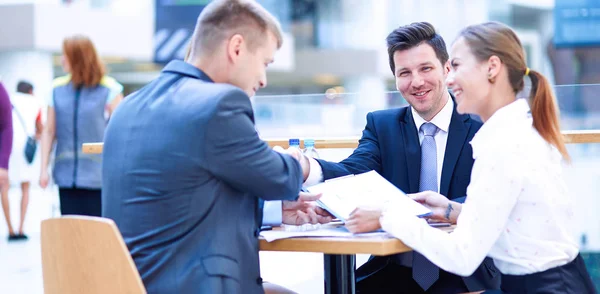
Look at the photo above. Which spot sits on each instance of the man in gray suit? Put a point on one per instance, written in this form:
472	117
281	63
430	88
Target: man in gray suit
183	167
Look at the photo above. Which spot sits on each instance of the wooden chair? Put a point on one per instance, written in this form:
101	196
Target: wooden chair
83	254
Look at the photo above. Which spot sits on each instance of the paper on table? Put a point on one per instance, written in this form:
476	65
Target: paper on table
342	195
326	232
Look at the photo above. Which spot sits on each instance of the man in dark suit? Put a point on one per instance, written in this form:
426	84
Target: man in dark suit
183	167
392	144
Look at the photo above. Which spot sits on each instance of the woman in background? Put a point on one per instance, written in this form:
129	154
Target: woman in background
518	210
6	136
78	111
27	123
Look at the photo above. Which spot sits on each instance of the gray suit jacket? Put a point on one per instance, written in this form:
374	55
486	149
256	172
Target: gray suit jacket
183	170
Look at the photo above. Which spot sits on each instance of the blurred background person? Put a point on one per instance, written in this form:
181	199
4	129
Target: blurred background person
6	136
27	123
78	110
571	66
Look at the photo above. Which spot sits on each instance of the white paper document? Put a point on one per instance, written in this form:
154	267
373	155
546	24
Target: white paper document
339	232
342	195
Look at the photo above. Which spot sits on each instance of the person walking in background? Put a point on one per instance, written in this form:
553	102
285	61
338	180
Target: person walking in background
6	136
27	123
80	105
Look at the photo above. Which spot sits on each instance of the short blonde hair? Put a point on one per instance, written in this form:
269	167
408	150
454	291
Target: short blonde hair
222	19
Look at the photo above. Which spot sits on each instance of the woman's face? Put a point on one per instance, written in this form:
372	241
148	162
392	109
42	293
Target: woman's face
468	79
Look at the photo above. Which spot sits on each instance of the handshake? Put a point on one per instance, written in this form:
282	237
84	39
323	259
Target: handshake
304	210
362	219
298	155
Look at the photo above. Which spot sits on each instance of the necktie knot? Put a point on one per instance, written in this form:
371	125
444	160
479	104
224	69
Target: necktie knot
429	129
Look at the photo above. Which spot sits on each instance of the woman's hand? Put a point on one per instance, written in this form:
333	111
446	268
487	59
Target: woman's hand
364	220
441	207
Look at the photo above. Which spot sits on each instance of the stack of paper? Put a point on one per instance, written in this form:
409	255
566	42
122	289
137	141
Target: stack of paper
343	195
339	232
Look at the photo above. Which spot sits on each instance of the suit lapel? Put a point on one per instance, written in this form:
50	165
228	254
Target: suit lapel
412	150
457	136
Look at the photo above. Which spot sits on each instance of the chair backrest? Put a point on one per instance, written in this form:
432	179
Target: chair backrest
83	254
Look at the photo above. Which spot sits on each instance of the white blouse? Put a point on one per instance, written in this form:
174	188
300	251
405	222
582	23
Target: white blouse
518	210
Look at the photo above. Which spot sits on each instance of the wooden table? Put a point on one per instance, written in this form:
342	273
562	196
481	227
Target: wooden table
333	245
571	137
339	255
92	148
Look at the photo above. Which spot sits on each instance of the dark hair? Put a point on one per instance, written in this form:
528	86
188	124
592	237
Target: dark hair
496	39
24	87
412	35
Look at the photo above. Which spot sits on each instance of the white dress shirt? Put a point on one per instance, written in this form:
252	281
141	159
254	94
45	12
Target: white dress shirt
441	120
518	210
272	213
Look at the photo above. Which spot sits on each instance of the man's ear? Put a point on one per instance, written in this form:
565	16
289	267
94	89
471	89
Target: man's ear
446	68
234	47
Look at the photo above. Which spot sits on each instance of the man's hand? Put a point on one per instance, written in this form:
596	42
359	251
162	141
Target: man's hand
293	152
304	211
298	155
3	177
442	209
364	220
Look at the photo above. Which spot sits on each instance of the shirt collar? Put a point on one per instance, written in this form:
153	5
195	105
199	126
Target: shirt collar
514	113
440	120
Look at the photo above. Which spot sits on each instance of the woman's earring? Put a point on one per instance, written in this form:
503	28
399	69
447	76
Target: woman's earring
490	79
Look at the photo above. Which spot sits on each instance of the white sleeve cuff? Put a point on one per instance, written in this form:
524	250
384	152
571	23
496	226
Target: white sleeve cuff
401	224
272	213
316	173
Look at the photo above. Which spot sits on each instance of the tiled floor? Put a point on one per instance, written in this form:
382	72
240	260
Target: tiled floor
21	266
20	262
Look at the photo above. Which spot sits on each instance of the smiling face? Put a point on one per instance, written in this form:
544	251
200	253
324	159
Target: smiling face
468	79
420	79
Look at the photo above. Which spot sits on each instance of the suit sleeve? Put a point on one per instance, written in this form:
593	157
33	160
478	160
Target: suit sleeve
235	154
460	199
366	156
